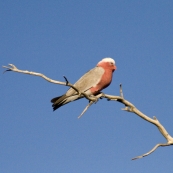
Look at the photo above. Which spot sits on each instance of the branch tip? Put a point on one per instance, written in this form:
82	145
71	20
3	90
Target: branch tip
6	71
139	157
128	109
152	150
121	91
66	80
154	117
86	108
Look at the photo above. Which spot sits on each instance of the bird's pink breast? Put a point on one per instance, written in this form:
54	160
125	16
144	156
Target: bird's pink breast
103	83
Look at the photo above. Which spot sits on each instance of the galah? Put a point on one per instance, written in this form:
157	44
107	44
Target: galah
91	83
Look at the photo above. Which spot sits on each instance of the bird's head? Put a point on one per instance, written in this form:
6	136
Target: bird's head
107	63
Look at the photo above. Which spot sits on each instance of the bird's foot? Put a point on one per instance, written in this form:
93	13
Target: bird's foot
97	97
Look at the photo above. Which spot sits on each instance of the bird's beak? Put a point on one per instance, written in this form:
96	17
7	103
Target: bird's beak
114	68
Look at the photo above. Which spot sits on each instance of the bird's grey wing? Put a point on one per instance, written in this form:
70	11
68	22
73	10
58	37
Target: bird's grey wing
88	80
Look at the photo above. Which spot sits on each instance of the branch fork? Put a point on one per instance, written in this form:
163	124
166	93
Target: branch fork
129	107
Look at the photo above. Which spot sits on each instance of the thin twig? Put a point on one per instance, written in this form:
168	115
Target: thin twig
15	69
90	103
152	150
67	82
86	108
121	91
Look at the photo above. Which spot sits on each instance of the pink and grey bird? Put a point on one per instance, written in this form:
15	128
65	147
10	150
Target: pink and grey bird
91	83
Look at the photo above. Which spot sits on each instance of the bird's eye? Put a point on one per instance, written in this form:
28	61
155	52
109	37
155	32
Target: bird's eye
111	63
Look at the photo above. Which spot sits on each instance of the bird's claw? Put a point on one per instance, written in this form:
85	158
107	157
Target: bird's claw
98	96
95	99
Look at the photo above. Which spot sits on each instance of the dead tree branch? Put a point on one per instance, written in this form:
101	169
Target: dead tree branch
67	83
129	107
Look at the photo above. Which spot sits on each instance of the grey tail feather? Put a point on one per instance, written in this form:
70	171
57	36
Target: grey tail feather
55	99
58	101
62	100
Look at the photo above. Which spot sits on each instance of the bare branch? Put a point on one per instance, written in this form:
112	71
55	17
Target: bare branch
93	99
131	108
86	108
152	150
15	69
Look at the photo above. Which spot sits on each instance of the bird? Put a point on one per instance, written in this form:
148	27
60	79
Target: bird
91	83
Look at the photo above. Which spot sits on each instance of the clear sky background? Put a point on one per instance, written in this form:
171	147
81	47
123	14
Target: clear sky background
68	38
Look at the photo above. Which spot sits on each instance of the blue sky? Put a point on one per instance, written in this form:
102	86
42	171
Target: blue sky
69	38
